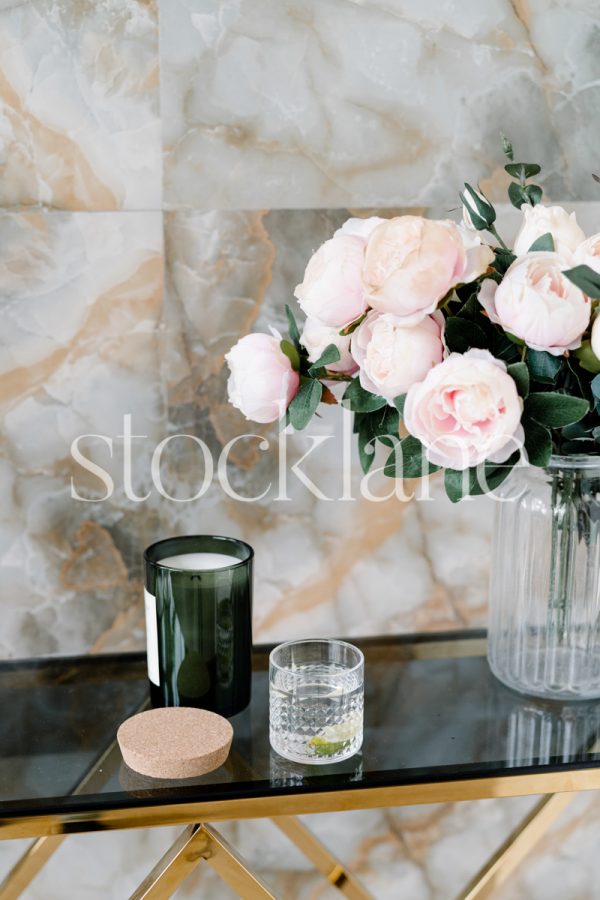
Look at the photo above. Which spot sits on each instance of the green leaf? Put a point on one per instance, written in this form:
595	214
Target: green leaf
305	403
520	373
358	400
352	326
366	449
291	353
544	243
502	260
538	442
577	431
555	410
507	147
383	424
522	170
533	193
461	334
587	358
585	279
292	327
408	460
517	195
484	213
399	402
543	366
330	354
595	386
470	482
502	347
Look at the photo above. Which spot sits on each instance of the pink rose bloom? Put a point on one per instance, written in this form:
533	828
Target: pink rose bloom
262	382
360	227
536	303
596	337
411	263
392	355
539	220
317	337
588	253
467	410
332	291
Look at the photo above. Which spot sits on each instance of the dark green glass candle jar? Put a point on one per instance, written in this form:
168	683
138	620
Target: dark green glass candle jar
198	592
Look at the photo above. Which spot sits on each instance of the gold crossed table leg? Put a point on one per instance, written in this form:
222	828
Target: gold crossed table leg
321	858
196	843
516	847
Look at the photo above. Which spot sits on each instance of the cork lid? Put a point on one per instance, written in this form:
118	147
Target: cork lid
175	742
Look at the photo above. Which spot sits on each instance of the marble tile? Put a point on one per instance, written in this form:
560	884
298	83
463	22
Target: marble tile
79	124
80	298
315	103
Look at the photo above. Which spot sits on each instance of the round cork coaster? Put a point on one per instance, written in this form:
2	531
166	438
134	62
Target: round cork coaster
175	742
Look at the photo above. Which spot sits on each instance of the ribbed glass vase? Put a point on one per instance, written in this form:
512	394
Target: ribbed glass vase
544	620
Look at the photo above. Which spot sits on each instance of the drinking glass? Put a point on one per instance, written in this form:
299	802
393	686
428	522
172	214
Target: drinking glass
316	690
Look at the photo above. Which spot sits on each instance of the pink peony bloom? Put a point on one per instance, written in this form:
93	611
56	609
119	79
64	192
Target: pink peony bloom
262	382
392	355
411	263
536	303
465	411
332	291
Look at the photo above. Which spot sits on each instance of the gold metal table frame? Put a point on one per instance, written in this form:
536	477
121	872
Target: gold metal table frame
200	841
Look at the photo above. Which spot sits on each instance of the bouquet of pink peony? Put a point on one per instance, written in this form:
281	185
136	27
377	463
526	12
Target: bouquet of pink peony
453	352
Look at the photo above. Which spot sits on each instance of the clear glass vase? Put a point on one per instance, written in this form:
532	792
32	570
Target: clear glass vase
544	620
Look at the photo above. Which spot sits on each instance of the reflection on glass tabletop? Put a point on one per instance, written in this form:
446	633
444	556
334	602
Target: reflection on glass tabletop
433	714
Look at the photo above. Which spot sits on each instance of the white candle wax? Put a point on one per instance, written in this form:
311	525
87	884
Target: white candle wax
199	562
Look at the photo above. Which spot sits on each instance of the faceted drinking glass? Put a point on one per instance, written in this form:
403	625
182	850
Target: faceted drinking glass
316	700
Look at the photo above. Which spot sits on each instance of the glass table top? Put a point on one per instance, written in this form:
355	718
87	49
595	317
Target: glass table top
433	712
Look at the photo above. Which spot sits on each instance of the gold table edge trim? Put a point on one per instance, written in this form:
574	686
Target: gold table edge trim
270	806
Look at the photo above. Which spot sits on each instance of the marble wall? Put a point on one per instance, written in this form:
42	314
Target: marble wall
166	168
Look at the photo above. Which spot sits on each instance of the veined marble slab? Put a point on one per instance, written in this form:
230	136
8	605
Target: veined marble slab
321	103
79	123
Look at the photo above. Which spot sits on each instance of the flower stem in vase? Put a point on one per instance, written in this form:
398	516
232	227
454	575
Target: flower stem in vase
564	541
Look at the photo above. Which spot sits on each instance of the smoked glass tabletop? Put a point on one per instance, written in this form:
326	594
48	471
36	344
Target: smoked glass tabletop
433	712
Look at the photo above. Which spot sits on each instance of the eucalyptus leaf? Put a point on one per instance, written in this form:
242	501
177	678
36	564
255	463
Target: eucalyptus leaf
587	358
292	327
520	373
522	170
305	403
507	147
585	279
533	193
502	260
538	442
399	402
330	354
477	480
543	366
408	460
595	387
517	195
291	353
461	334
358	400
544	243
555	410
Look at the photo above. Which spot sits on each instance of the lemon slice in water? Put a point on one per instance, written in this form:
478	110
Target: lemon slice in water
335	738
